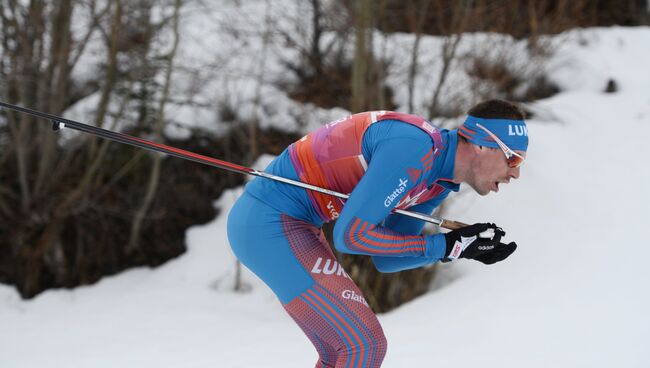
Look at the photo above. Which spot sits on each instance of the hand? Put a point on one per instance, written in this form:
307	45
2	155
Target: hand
481	242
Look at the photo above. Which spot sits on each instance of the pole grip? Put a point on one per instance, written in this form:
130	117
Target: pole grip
452	225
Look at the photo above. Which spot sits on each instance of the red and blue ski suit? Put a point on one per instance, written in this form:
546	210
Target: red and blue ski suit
384	160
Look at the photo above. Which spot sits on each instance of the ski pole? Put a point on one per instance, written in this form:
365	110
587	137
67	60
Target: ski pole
59	123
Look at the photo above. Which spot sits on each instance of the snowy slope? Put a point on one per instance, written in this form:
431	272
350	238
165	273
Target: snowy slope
575	294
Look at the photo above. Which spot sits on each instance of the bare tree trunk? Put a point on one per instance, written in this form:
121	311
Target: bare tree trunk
413	70
253	127
4	206
449	47
21	161
362	56
417	18
253	145
56	79
23	83
154	176
381	100
111	74
316	55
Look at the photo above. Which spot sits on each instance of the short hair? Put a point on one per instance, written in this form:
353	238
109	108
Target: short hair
497	109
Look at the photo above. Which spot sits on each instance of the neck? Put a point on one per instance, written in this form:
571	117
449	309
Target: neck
463	157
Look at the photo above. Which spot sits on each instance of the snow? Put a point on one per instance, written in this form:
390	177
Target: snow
573	295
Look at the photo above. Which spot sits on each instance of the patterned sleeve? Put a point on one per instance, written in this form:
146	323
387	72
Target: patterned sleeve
411	226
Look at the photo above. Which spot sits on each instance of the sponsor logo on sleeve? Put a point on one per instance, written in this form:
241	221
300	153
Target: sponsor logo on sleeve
401	188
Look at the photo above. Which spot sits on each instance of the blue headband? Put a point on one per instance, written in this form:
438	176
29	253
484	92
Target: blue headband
513	133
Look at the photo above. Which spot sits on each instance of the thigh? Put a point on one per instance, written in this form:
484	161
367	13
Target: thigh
334	308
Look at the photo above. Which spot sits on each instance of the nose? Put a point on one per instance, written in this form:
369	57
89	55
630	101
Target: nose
514	172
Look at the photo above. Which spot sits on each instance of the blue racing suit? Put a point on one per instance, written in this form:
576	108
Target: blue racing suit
274	229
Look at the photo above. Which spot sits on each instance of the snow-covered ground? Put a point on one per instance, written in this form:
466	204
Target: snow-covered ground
575	294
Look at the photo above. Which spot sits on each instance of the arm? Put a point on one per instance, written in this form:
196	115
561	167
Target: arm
411	226
380	189
481	242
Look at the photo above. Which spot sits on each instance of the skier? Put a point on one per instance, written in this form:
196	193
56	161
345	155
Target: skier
384	160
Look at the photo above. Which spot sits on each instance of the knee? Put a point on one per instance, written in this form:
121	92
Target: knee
372	351
380	348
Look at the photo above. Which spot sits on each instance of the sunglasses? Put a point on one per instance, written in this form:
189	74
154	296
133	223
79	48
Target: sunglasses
513	158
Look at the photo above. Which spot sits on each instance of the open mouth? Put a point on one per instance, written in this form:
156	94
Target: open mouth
496	184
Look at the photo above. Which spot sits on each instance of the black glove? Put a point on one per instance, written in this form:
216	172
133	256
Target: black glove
481	242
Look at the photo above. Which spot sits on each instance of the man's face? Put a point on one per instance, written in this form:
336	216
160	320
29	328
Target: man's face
489	169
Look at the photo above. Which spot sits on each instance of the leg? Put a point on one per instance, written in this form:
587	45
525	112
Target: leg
293	258
332	310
